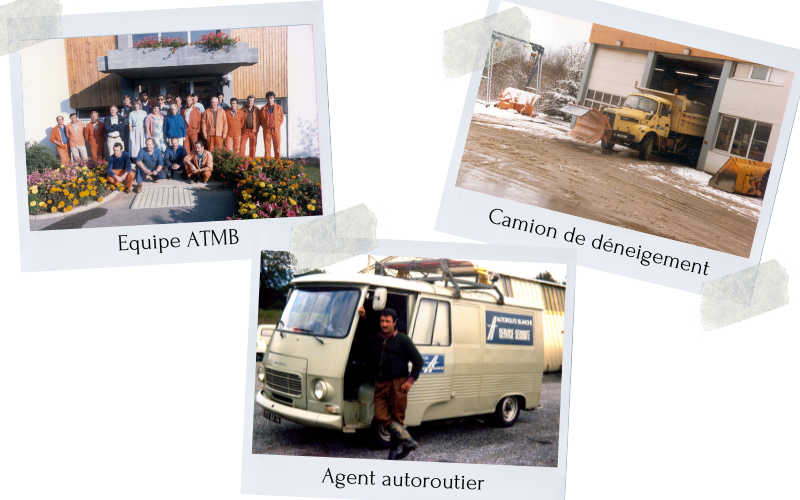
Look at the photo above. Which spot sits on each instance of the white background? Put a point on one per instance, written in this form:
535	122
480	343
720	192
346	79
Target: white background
127	382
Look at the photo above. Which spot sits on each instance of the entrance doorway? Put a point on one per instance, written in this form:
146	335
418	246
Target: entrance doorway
205	88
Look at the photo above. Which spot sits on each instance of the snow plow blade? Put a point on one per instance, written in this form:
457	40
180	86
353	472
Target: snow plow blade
591	125
740	175
519	100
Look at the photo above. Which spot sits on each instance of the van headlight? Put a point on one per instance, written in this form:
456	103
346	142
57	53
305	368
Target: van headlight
322	390
261	372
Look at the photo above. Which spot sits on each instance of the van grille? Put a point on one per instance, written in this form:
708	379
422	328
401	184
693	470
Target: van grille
284	382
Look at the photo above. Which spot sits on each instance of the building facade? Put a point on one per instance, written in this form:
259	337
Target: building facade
747	101
81	75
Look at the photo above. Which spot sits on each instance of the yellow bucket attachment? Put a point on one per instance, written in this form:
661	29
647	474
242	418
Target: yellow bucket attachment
591	125
740	175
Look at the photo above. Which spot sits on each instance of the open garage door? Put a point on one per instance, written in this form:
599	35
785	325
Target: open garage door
695	78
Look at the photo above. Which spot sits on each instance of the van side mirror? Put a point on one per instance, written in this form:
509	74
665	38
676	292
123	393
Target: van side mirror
379	299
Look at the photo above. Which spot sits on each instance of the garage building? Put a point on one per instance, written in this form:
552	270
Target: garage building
747	101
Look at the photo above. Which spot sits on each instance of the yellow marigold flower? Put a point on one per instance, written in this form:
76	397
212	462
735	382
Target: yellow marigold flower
34	190
272	198
74	202
93	192
292	201
42	204
293	177
261	184
54	210
255	216
103	181
68	209
100	199
60	204
310	207
33	203
294	186
49	202
242	211
270	186
121	187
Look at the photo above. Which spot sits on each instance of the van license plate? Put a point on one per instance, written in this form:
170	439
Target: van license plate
272	417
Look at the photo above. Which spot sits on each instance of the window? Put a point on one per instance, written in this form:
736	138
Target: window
188	36
432	326
86	113
742	137
759	73
597	99
319	311
197	35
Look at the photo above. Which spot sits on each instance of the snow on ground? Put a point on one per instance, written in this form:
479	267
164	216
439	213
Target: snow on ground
510	119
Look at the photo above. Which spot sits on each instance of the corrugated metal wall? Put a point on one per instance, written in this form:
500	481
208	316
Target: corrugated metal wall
549	297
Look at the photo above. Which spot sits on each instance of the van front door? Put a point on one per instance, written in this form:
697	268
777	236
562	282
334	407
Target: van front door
430	396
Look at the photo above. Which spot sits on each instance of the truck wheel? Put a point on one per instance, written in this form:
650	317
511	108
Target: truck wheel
507	411
646	147
381	438
607	145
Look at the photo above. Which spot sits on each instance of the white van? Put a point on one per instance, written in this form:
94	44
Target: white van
483	352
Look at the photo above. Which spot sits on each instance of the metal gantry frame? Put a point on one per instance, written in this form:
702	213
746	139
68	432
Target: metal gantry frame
536	72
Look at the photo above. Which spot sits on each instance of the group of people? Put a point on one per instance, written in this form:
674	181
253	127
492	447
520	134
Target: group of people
156	137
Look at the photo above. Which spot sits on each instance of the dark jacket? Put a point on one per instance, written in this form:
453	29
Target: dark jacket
119	127
391	357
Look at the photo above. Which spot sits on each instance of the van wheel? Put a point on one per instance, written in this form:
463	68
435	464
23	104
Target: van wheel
607	145
381	438
507	411
646	147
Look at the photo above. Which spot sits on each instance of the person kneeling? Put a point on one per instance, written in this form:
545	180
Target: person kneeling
174	157
150	163
199	164
119	168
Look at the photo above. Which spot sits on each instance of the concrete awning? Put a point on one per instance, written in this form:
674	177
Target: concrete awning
185	62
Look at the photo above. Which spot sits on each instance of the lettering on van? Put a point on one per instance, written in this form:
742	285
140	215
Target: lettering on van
432	363
505	328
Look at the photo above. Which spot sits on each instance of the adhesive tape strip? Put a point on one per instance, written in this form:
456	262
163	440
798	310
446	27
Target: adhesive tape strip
333	238
744	294
466	46
28	22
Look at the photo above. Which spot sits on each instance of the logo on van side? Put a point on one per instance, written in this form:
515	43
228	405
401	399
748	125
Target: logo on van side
432	363
505	328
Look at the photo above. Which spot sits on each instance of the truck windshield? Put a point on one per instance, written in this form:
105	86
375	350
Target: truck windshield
322	312
642	103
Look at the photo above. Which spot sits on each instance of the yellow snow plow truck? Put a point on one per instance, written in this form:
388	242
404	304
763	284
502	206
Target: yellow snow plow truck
647	121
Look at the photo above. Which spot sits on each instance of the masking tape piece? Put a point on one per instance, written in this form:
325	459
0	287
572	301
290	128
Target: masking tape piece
466	47
744	294
333	238
27	22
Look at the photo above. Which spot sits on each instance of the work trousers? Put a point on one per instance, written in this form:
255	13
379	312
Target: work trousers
272	140
140	174
63	153
214	141
95	149
191	138
390	402
121	171
233	143
110	141
78	153
248	137
201	176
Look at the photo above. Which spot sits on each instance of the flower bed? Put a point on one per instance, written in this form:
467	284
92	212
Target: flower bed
267	188
68	186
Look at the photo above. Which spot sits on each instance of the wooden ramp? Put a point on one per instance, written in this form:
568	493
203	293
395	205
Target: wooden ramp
165	197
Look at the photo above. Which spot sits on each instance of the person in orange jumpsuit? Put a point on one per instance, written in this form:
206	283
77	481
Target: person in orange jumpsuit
199	163
251	121
94	134
58	136
271	120
215	126
77	144
235	124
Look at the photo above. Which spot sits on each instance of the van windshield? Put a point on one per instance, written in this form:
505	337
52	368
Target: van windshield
323	312
643	103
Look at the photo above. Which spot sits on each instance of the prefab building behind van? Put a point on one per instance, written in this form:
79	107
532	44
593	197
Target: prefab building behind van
545	295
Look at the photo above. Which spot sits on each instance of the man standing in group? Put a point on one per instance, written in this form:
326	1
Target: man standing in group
251	121
58	136
235	123
163	106
215	126
77	144
222	103
94	134
124	111
193	118
271	120
197	103
146	103
150	162
392	351
173	158
115	125
199	164
119	168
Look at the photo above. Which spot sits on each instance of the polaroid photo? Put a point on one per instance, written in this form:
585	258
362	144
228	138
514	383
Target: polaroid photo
434	368
173	143
646	143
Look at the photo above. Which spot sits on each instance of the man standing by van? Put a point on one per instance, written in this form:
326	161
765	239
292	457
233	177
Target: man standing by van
392	352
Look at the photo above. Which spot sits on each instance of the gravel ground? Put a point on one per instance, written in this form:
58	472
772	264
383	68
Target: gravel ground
535	161
533	440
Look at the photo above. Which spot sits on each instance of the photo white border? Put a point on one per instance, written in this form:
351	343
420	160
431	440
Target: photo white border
465	213
99	247
282	475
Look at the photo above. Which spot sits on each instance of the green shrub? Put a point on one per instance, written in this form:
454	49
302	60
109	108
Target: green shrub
39	158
